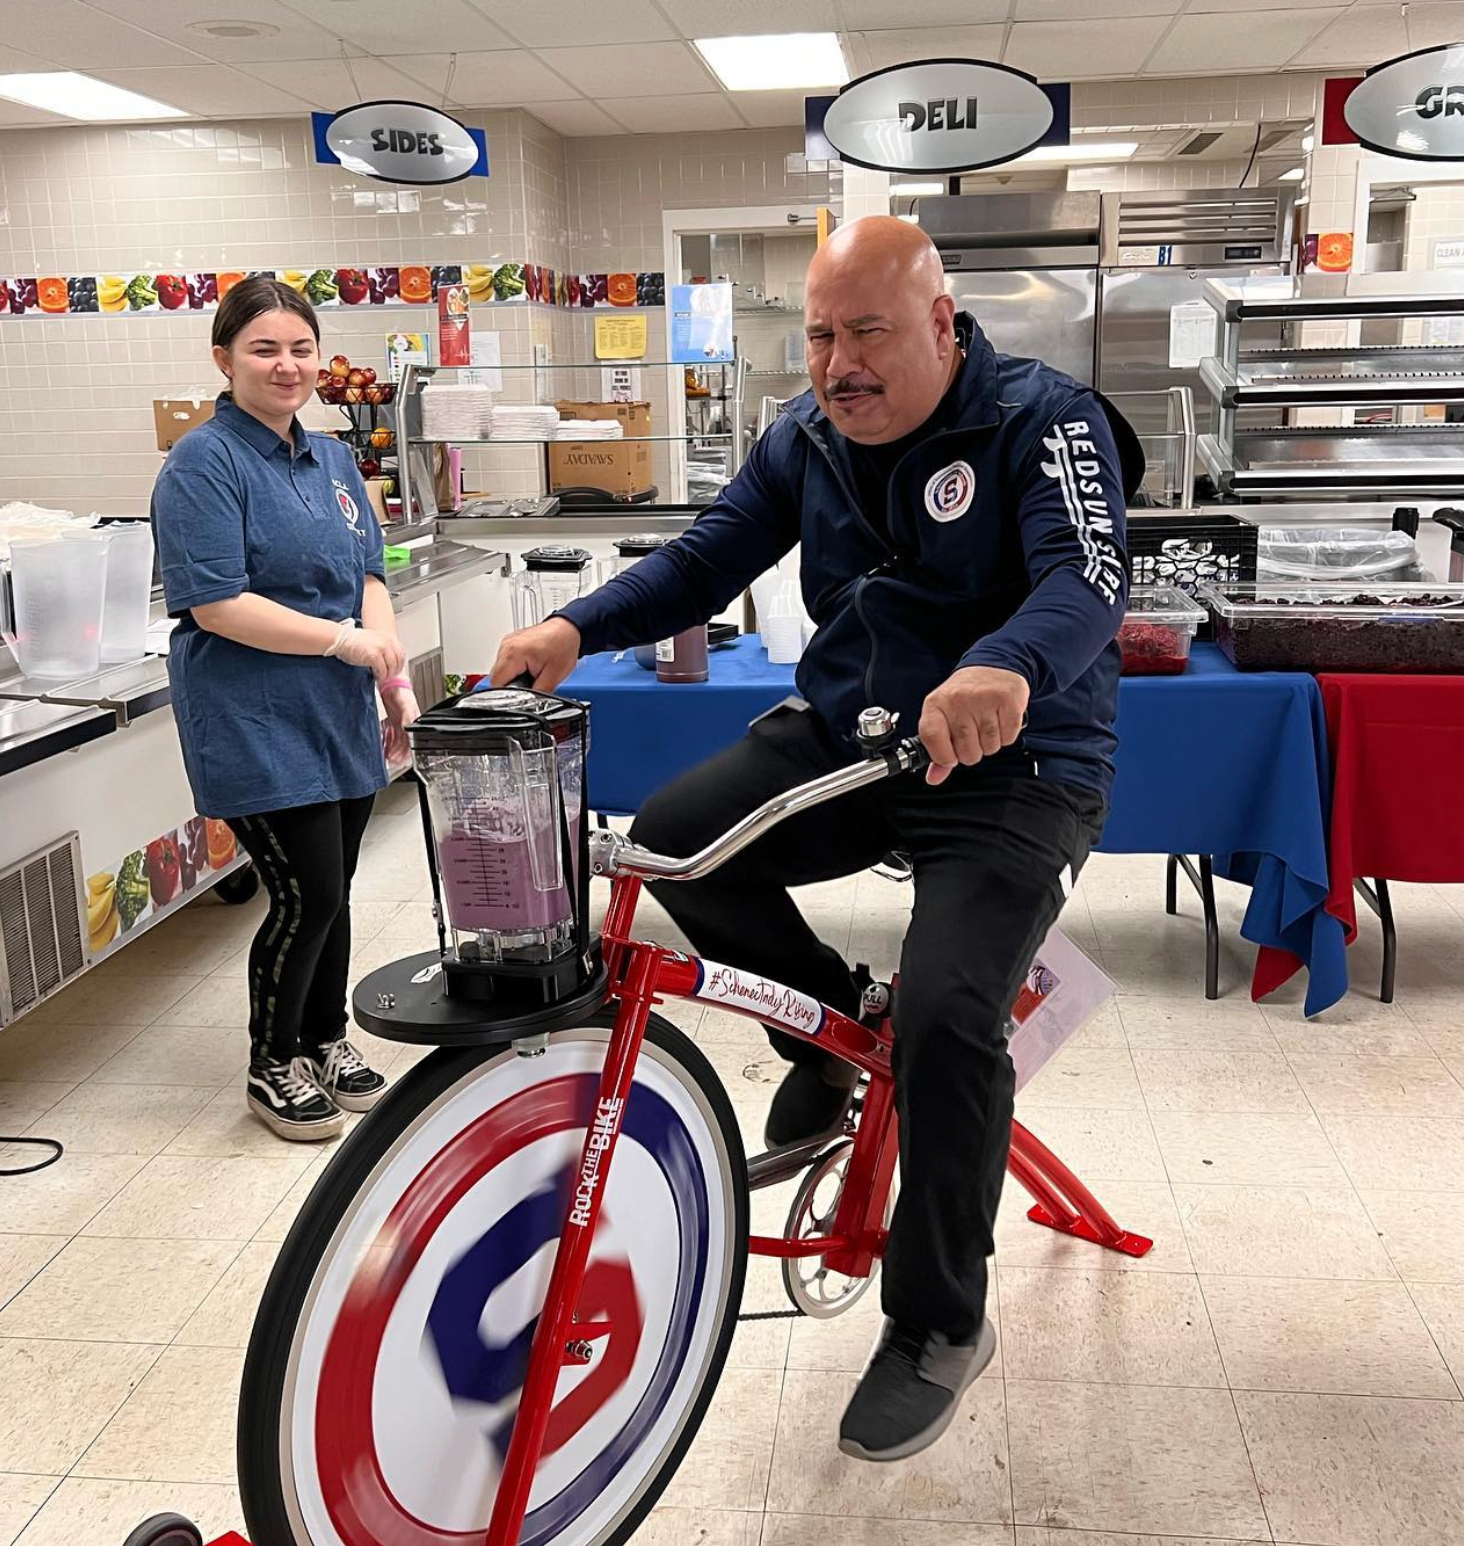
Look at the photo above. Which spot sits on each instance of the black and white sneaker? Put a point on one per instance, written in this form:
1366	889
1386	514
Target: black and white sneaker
910	1391
286	1098
344	1076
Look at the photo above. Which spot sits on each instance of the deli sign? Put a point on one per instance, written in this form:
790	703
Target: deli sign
400	142
938	115
1412	106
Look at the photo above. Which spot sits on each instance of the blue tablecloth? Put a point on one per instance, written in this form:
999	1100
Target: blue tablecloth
1217	761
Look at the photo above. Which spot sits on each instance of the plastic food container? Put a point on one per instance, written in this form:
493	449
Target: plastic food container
1274	626
1338	553
1158	629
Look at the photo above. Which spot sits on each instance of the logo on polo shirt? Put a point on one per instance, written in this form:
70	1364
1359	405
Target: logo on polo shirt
949	493
349	508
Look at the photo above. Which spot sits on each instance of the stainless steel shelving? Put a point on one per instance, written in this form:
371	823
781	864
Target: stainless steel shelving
1275	456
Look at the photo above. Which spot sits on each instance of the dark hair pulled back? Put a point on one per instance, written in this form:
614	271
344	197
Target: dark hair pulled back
252	298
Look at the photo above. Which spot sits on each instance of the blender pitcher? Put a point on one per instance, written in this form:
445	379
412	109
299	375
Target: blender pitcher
628	552
553	575
502	780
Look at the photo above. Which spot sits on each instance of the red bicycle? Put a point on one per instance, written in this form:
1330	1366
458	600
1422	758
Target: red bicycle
502	1313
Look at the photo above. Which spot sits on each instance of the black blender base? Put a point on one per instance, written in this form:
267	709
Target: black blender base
407	1001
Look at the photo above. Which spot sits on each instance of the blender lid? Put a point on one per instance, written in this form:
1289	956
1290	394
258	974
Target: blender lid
500	714
556	555
643	542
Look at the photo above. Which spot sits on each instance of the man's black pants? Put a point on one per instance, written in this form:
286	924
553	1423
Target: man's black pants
992	853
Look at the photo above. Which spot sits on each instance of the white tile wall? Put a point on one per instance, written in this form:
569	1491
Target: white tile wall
1436	214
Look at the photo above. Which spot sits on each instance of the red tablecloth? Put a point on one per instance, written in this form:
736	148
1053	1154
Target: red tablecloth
1397	745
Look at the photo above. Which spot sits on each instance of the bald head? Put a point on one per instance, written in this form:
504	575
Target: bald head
881	329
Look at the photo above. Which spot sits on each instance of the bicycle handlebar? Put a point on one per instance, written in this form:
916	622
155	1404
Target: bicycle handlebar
611	854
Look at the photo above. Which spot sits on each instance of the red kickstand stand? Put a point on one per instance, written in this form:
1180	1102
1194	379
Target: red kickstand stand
1062	1202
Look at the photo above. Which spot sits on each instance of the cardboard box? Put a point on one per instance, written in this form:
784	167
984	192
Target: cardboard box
376	493
619	467
175	416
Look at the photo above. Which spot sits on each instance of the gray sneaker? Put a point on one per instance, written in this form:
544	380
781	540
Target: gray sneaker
908	1395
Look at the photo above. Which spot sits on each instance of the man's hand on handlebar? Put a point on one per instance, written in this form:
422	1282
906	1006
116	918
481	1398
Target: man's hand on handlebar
546	652
974	713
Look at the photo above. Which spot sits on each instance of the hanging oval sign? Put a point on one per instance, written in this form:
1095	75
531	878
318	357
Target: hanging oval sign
402	142
1412	106
938	115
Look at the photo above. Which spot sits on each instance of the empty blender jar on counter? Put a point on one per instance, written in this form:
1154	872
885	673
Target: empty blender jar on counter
628	552
552	577
502	784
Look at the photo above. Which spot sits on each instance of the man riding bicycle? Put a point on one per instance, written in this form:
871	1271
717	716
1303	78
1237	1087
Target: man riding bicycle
961	515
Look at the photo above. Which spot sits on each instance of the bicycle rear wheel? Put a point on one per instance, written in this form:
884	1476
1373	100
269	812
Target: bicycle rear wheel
392	1339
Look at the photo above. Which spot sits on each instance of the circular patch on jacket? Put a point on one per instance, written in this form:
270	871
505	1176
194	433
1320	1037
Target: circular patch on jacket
949	493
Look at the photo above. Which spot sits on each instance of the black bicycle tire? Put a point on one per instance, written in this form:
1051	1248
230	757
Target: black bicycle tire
260	1467
165	1530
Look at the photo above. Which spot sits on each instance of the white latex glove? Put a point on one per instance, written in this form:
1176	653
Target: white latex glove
380	653
401	711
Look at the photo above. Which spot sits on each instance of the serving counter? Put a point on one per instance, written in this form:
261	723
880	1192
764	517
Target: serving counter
99	837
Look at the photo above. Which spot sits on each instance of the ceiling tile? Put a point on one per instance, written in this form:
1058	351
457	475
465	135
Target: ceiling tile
1060	51
625	69
1089	10
1215	41
505	77
13	62
626	21
752	18
297	37
16	115
769	109
674	115
328	84
896	46
873	14
208	90
1368	34
575	118
389	27
76	36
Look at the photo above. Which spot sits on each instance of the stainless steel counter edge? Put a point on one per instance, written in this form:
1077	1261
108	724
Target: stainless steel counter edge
54	717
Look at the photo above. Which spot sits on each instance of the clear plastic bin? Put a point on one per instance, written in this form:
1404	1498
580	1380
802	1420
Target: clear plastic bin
129	591
59	586
1158	629
1336	553
1404	627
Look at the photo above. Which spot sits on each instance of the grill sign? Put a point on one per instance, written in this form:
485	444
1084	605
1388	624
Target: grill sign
1412	106
402	142
940	115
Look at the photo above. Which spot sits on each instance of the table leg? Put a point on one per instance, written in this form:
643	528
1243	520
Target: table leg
1171	885
1377	898
1203	880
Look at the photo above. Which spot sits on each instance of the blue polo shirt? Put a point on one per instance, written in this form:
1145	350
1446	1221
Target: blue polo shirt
236	509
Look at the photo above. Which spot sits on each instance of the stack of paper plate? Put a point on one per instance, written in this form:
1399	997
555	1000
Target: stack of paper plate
524	421
456	412
590	429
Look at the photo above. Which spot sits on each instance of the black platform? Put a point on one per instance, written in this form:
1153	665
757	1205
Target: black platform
407	1000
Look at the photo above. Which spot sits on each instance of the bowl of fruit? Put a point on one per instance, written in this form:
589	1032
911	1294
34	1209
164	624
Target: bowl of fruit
348	385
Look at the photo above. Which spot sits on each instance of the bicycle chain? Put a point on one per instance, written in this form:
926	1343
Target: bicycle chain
771	1315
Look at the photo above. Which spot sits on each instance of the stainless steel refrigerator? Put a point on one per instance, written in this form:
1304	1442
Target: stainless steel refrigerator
1157	251
1026	266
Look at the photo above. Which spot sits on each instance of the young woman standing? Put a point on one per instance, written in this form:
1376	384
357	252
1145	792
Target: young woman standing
272	564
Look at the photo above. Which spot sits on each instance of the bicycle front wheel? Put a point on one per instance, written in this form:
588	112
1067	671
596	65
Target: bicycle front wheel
392	1340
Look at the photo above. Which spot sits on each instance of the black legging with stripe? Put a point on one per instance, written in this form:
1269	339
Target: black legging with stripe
301	955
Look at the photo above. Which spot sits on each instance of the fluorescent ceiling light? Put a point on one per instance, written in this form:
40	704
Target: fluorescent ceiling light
1293	176
782	61
917	190
1082	150
80	96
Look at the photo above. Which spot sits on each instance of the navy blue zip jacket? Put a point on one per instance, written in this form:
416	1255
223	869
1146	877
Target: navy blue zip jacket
1006	548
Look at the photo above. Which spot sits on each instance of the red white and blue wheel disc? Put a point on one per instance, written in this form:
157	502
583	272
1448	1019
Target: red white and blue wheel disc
414	1340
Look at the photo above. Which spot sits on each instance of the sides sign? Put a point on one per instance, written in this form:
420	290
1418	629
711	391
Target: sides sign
1412	106
400	142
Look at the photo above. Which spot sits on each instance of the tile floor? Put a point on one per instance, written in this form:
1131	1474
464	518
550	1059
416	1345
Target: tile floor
1285	1366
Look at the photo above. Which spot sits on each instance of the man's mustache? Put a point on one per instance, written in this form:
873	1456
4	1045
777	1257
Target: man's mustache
844	386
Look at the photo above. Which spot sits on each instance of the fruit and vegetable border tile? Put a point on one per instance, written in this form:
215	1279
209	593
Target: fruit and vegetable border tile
407	284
